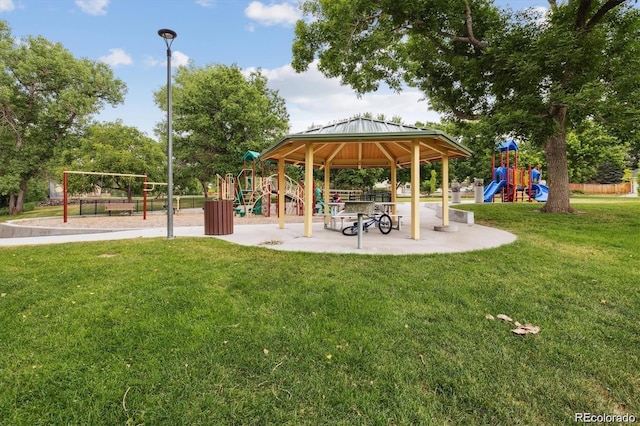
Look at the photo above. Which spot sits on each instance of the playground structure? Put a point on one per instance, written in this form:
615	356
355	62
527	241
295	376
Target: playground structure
253	190
512	182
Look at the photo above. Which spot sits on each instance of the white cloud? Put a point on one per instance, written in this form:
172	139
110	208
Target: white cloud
273	14
314	99
6	5
93	7
179	59
116	57
206	3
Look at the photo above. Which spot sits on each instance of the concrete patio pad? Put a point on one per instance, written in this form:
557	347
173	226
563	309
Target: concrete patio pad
291	238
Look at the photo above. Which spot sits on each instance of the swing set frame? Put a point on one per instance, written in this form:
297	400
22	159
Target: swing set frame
65	185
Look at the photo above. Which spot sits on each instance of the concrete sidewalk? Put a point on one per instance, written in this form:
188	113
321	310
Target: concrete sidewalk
291	238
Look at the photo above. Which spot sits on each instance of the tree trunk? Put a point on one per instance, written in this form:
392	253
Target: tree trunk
205	189
557	169
12	203
16	201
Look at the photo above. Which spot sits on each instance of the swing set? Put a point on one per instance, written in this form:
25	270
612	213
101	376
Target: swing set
145	188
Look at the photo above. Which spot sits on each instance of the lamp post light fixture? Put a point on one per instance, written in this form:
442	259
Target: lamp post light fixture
169	36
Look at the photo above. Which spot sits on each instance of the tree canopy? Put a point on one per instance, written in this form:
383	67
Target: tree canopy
530	74
45	95
220	113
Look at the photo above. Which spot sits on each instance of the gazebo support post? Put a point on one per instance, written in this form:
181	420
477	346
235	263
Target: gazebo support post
415	190
394	182
281	193
327	195
308	189
445	190
445	227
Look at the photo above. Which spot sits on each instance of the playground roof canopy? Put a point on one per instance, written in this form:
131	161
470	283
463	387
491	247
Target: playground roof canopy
363	142
509	145
250	156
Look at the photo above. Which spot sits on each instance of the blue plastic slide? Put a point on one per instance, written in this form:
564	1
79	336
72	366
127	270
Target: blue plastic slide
492	189
541	192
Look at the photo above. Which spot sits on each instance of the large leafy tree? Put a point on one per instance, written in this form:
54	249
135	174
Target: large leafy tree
114	148
220	113
531	75
45	95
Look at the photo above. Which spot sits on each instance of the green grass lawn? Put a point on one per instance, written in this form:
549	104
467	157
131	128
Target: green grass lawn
200	331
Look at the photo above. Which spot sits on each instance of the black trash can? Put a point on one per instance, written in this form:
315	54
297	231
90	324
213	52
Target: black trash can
218	217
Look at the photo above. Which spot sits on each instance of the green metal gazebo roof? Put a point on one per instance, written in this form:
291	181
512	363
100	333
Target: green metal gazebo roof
363	142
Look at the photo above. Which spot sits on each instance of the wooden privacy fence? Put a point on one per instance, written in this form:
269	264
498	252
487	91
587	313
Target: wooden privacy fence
595	188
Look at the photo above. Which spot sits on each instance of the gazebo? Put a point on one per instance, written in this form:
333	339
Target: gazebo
360	143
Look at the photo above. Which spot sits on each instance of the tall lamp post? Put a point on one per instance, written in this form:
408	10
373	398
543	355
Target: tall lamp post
169	36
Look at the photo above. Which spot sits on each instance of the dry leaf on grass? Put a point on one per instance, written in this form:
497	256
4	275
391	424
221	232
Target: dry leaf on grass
505	318
520	329
526	329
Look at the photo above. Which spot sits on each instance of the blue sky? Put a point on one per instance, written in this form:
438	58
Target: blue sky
251	34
